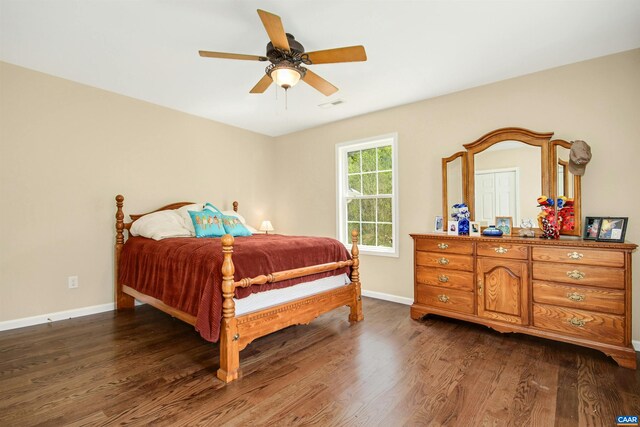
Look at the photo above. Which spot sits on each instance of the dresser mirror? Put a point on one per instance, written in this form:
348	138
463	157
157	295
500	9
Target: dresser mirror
507	179
564	183
454	172
505	171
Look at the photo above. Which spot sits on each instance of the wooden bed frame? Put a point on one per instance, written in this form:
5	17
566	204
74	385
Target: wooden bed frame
238	331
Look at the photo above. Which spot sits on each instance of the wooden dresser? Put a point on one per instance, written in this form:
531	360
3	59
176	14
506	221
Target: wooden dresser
572	290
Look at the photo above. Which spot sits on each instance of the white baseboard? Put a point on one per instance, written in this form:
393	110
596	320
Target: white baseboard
636	345
387	297
52	317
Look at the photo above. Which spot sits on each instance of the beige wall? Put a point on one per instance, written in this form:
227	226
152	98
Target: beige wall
597	101
66	150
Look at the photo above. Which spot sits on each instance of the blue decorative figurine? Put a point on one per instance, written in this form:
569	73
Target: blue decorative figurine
461	214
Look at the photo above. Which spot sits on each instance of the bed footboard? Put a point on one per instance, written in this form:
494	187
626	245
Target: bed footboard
237	332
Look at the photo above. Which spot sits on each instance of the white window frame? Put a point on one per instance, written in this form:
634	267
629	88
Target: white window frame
342	191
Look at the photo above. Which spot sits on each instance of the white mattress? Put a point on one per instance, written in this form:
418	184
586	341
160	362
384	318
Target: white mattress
262	300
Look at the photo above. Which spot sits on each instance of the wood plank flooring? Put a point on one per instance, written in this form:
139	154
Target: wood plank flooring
143	367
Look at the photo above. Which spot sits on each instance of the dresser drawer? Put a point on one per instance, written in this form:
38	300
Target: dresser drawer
584	298
579	274
448	299
503	250
444	246
580	323
445	278
448	261
580	256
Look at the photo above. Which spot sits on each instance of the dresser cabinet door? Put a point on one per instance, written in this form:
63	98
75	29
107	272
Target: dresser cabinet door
503	290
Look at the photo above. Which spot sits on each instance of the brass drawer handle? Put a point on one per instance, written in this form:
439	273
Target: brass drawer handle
576	297
578	323
443	261
442	246
442	278
575	255
443	298
575	274
501	250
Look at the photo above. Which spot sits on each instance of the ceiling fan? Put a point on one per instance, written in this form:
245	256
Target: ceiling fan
287	55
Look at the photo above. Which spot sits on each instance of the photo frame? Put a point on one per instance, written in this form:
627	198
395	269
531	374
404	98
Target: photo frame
452	228
505	224
591	227
474	229
438	224
612	229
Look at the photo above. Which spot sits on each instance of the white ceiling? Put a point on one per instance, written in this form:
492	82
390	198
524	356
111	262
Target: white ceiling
148	49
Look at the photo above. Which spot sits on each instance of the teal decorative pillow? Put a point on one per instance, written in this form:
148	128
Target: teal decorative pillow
232	225
208	223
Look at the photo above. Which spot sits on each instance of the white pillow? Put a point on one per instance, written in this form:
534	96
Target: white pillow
186	218
251	229
160	225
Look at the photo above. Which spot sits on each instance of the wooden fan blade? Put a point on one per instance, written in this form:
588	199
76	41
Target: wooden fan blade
318	83
262	85
341	54
207	54
275	30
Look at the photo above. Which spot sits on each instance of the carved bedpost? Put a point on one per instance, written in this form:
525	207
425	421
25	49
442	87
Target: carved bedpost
122	300
235	206
229	353
356	308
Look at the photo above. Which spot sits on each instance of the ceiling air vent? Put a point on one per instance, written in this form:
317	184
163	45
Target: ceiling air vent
332	103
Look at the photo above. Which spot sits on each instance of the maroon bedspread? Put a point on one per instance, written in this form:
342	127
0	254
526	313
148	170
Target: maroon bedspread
185	273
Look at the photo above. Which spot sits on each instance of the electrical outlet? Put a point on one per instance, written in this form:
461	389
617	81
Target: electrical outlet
73	282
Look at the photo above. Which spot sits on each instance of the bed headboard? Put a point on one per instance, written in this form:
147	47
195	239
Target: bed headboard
134	217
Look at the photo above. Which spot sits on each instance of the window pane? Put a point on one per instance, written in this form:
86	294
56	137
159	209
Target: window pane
384	210
355	183
385	183
369	210
369	160
354	161
384	158
353	210
369	234
351	226
369	186
385	235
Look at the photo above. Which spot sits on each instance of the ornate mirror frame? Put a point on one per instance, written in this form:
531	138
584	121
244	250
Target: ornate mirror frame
548	170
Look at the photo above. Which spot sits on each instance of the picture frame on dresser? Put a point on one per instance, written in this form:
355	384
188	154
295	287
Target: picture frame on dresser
474	229
591	227
612	229
504	224
438	225
452	228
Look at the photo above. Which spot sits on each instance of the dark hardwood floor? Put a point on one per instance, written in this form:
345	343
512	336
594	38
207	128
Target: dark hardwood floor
143	367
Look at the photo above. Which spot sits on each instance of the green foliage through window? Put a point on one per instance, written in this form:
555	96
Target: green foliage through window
369	203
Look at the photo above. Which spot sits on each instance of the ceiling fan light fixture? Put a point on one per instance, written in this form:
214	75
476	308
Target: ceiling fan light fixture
285	74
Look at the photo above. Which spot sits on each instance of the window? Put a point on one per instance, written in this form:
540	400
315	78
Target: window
367	194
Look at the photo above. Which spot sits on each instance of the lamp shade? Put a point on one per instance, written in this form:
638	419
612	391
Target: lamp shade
266	226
